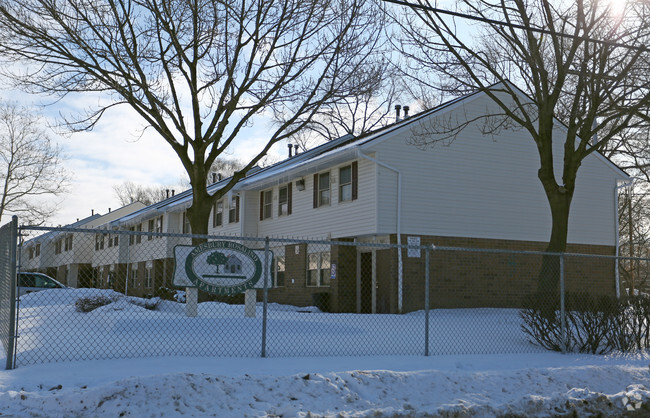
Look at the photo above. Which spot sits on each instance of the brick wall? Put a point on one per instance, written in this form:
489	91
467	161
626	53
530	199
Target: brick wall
462	279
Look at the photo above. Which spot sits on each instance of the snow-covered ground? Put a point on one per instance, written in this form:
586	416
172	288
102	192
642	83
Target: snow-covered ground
529	384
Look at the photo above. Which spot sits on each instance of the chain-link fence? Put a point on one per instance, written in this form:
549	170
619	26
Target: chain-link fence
144	294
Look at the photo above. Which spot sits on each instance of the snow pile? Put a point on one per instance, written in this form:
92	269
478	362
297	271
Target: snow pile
455	385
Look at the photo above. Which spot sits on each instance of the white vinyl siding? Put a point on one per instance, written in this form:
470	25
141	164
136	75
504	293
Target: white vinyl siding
347	219
485	187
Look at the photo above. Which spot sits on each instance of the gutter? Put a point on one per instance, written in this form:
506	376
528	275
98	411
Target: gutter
400	272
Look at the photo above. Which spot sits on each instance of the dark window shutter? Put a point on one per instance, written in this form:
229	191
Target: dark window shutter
289	195
261	206
355	177
237	206
315	191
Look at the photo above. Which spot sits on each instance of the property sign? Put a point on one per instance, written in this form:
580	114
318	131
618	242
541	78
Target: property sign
219	267
415	242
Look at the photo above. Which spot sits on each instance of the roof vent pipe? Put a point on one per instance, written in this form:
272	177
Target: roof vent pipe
295	149
214	177
92	212
406	112
397	109
219	176
167	190
173	192
290	149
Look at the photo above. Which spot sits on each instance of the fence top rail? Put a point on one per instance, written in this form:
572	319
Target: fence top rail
290	240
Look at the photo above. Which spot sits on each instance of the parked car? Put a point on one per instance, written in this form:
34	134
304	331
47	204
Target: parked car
33	282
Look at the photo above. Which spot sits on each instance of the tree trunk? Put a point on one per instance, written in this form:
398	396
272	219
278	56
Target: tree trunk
199	212
549	275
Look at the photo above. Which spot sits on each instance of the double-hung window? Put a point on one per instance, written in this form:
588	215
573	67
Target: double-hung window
233	212
150	228
99	242
147	278
321	189
159	224
217	214
266	204
68	242
318	269
284	200
348	182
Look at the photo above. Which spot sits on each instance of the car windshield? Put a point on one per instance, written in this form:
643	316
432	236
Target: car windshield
37	280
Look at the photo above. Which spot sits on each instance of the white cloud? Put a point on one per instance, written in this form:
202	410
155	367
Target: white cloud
118	150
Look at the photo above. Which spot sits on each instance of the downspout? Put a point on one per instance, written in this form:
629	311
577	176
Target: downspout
616	269
400	273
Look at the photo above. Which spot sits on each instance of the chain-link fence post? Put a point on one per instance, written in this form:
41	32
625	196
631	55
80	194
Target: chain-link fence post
265	294
8	302
562	307
128	266
426	300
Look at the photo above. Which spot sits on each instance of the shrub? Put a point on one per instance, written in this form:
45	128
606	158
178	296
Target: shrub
541	321
596	325
634	332
90	303
150	304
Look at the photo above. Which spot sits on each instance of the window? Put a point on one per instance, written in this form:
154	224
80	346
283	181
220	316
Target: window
31	253
147	278
318	269
115	240
187	228
38	250
159	225
99	242
348	182
133	238
280	268
284	200
68	243
57	246
233	213
217	214
321	189
110	241
151	227
134	278
266	204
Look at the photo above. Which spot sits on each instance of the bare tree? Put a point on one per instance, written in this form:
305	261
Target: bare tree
30	166
130	192
355	115
225	167
575	61
634	232
197	72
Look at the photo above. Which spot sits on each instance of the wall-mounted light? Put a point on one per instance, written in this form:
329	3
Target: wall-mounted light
300	184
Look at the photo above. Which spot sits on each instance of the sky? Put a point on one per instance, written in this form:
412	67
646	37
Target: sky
517	384
118	149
